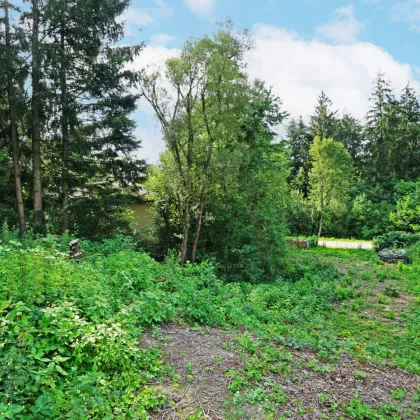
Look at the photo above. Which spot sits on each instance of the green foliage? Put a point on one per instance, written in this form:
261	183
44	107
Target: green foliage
69	329
298	141
359	410
329	177
395	240
407	214
413	253
301	214
99	217
368	218
324	120
220	188
247	235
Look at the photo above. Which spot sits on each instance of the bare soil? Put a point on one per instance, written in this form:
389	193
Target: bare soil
201	358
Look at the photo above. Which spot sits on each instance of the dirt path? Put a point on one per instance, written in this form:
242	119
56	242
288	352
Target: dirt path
346	244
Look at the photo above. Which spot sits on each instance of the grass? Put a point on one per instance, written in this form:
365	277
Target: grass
344	240
69	330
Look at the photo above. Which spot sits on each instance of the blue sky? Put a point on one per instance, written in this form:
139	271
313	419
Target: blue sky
301	47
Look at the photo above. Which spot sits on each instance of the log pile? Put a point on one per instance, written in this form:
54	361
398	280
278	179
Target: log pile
299	243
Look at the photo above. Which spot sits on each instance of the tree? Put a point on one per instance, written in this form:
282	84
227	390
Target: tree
407	214
350	132
243	225
36	105
88	104
330	175
247	229
201	120
381	133
323	121
298	141
10	58
66	89
407	151
89	98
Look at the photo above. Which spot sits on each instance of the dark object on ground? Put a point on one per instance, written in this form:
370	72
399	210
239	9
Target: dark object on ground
75	252
393	257
299	243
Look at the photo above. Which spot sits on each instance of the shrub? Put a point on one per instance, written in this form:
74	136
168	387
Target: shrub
407	214
413	253
395	240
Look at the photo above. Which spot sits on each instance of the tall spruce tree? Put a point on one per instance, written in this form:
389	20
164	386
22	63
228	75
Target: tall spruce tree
407	151
381	134
91	101
11	61
324	120
298	141
66	58
36	109
350	132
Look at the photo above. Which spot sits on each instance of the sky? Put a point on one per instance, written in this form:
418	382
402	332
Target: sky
301	47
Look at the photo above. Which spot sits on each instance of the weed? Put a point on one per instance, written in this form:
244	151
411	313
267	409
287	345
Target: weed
360	374
399	394
382	300
391	291
390	315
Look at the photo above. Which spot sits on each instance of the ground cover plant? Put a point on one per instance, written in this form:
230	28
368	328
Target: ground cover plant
70	332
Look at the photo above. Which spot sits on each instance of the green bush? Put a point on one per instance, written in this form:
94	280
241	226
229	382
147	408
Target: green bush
413	253
395	240
407	214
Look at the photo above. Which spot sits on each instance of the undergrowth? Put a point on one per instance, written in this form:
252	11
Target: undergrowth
69	329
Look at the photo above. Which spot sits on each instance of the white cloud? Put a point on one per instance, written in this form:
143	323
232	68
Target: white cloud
152	143
408	11
161	39
136	18
299	69
203	8
343	28
152	58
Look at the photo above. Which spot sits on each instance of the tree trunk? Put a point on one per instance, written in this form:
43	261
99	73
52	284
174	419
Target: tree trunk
321	220
320	225
36	130
197	230
13	127
65	135
186	228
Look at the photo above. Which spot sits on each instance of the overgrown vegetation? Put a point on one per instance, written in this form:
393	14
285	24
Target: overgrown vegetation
69	330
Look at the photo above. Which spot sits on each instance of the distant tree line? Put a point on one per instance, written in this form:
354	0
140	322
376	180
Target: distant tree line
380	189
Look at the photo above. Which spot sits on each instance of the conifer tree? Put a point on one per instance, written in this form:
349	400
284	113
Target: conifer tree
350	132
407	152
298	141
381	133
323	121
10	59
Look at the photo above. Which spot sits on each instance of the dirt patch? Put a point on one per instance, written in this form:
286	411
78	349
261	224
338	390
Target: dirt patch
314	395
201	358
